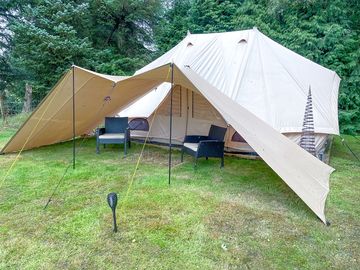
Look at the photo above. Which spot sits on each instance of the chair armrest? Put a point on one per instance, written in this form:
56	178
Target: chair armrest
127	133
211	142
99	131
194	138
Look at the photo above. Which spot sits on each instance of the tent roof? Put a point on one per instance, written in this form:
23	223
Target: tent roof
266	78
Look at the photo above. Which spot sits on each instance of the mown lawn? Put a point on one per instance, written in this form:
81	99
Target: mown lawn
239	217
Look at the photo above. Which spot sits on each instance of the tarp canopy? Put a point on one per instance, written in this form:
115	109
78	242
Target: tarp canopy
97	96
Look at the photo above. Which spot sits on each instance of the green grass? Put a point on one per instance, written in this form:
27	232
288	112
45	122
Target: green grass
239	217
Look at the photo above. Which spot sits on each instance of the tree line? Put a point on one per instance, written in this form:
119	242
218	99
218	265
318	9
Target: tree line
41	39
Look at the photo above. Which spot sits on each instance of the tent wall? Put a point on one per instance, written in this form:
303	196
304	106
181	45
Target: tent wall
192	114
320	141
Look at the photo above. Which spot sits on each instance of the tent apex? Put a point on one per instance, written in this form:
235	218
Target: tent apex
255	28
188	33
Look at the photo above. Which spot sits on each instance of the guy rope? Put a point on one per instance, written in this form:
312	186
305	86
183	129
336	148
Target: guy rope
122	207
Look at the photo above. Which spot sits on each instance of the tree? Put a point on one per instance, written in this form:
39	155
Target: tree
326	32
46	43
173	26
123	33
9	12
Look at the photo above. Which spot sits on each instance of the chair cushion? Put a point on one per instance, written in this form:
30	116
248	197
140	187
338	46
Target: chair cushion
192	146
112	136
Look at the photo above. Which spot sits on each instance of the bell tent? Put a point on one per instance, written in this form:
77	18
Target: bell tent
242	80
264	77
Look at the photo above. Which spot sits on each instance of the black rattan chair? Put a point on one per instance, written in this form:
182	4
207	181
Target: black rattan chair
116	131
205	146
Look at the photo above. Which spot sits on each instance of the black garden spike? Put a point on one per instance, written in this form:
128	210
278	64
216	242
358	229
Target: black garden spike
112	201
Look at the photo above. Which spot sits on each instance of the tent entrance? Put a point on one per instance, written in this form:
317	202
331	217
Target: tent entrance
192	114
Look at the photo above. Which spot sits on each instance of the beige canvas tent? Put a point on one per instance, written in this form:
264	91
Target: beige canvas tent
269	80
208	76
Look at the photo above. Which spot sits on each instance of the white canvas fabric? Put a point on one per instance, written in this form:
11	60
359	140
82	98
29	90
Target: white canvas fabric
264	77
223	69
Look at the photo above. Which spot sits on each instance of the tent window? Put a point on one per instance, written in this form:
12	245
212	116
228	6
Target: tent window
236	137
164	108
189	44
139	124
242	41
202	108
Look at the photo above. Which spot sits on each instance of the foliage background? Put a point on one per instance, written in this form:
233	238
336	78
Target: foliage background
40	39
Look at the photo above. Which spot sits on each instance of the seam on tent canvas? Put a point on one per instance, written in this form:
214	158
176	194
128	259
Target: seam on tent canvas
243	67
233	83
318	105
69	99
201	52
268	104
213	52
122	208
302	91
26	141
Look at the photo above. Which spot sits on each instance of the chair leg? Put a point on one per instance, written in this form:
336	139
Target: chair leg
125	149
182	155
207	158
222	162
195	163
97	147
104	146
